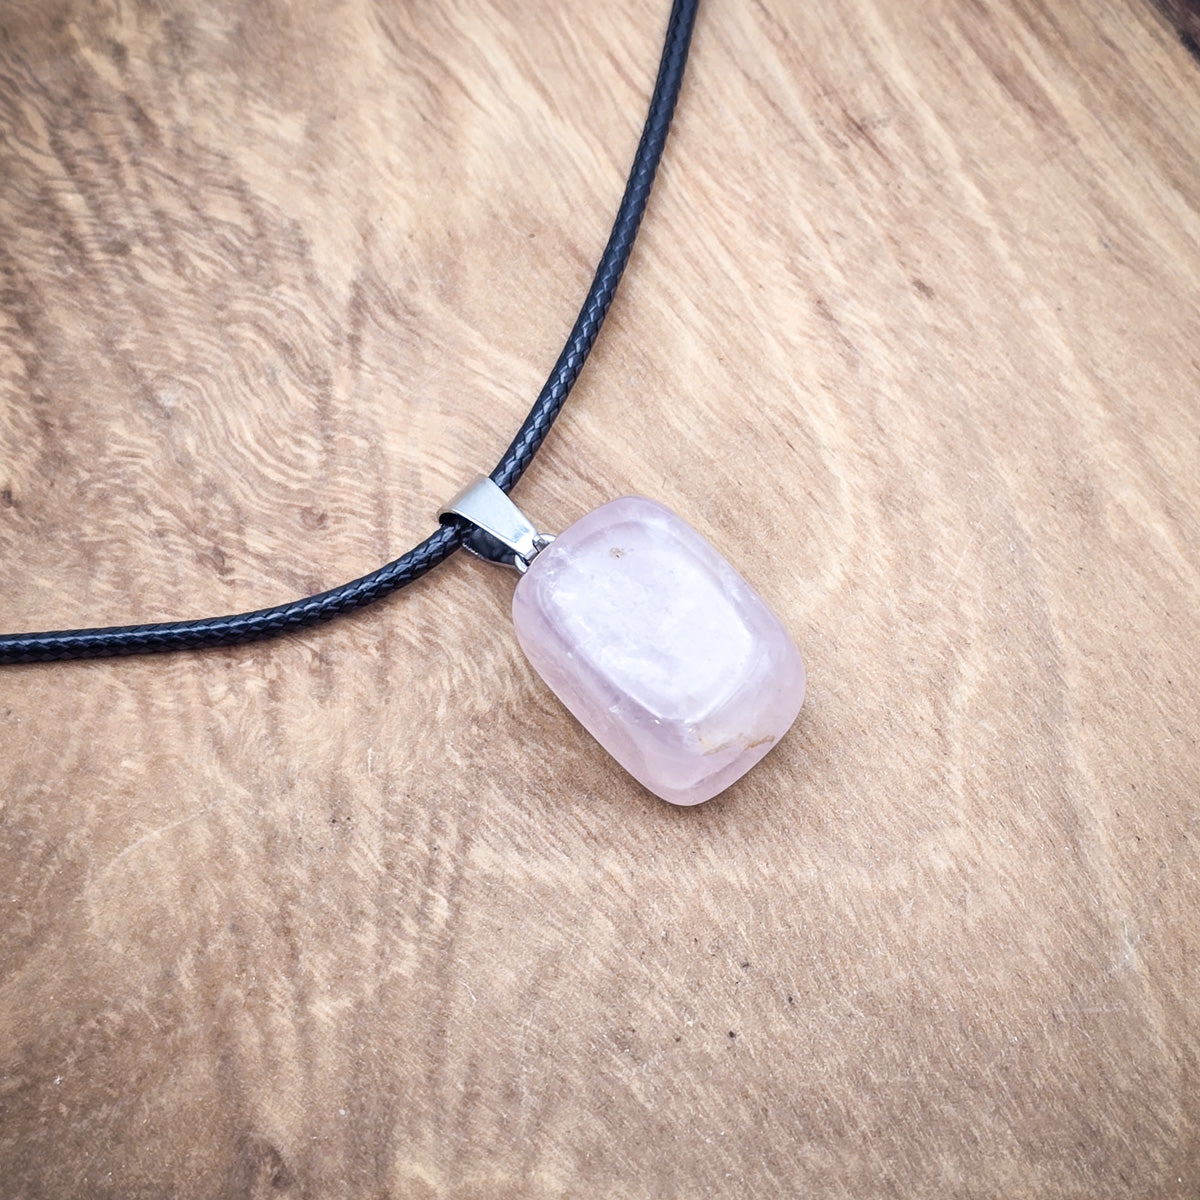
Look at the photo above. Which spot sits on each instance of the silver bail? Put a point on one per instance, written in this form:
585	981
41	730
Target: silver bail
502	533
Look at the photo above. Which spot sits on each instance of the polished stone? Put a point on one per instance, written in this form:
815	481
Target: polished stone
659	648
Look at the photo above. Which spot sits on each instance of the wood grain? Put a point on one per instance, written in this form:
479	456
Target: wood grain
1185	16
911	334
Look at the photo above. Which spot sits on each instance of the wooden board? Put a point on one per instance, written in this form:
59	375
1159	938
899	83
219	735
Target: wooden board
912	334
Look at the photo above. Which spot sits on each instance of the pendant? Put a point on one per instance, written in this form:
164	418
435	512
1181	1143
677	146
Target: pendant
656	645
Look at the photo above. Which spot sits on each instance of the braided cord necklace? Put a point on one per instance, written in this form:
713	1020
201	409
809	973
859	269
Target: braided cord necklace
283	618
650	638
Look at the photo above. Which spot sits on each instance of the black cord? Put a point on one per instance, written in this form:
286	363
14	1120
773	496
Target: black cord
266	622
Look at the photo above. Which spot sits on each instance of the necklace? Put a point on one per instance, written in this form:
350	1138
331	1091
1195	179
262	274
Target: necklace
650	638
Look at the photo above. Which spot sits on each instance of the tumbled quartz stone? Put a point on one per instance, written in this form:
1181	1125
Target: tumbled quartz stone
660	649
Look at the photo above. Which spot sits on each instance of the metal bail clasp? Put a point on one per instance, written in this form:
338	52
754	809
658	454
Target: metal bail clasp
502	533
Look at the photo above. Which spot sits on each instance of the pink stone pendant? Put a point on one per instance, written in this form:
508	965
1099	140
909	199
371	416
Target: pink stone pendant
656	645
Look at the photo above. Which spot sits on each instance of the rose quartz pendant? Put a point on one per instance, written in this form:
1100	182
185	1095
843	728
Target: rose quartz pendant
658	647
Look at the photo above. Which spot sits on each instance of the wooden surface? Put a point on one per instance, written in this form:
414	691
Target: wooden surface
912	334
